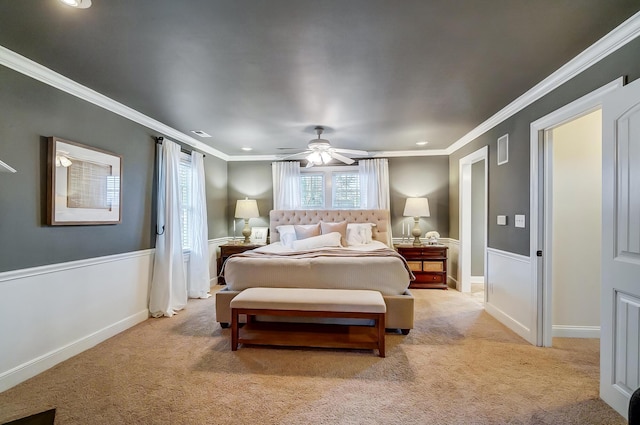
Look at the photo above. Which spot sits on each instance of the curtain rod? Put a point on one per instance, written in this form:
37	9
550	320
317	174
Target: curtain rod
160	139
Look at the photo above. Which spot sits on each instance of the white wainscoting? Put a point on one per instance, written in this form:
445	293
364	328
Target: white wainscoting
51	313
511	295
54	312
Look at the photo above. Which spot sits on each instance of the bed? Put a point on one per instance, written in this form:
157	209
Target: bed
372	265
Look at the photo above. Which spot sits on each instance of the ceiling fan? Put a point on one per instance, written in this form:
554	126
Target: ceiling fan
320	152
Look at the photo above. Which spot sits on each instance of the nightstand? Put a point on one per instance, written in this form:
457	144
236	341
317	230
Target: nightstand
228	250
428	264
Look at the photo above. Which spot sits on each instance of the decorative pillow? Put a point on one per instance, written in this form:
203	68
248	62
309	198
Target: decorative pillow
359	233
321	241
304	231
340	227
287	235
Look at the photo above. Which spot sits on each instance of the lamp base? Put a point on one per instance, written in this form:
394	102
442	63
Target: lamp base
246	232
416	232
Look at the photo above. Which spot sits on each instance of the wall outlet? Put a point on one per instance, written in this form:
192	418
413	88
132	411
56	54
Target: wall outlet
520	220
502	220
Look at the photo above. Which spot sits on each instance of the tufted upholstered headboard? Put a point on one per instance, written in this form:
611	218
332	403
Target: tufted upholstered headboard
381	231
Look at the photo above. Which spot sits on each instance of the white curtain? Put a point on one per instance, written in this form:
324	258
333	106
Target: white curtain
286	185
168	286
199	279
374	183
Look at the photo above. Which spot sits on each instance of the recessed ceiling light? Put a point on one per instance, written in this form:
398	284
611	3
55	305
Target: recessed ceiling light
80	4
422	143
200	133
247	149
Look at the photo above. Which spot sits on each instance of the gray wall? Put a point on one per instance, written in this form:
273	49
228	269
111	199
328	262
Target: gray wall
419	176
32	111
215	174
250	179
478	218
509	183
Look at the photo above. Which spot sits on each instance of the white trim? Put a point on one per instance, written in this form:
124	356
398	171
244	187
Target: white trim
562	331
510	255
53	268
38	365
614	40
464	215
617	38
539	236
477	279
41	73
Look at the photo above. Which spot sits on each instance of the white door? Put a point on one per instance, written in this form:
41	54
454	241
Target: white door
619	342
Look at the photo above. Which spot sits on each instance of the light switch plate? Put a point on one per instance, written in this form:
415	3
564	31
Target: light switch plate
502	220
520	220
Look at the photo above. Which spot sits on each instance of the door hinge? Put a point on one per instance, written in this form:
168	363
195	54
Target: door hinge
539	253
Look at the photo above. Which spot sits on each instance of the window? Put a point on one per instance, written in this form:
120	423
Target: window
312	190
330	188
345	190
185	198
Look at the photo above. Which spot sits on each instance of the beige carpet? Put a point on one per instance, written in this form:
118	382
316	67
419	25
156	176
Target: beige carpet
458	366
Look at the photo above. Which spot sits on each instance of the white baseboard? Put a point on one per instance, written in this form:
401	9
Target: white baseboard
38	365
564	331
508	321
477	279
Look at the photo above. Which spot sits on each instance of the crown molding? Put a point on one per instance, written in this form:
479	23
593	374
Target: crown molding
32	69
617	38
391	154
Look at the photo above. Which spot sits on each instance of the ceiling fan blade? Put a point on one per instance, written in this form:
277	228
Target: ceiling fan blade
351	151
296	155
342	158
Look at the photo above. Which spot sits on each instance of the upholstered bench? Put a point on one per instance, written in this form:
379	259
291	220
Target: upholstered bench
307	302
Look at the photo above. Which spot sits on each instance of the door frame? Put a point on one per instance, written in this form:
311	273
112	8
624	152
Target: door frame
540	209
463	283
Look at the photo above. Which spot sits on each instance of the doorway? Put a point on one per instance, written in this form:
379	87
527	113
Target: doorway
542	210
573	226
473	231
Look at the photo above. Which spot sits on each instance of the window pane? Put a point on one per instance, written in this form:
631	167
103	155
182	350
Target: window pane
312	190
346	190
185	197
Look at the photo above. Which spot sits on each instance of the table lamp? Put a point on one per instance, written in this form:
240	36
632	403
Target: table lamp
246	209
416	208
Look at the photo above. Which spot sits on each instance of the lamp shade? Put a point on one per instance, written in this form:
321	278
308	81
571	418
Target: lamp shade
247	208
416	207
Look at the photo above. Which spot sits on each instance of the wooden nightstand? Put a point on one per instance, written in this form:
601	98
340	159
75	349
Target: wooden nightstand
228	250
428	263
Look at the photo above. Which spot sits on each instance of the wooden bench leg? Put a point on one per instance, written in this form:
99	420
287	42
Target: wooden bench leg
381	334
234	329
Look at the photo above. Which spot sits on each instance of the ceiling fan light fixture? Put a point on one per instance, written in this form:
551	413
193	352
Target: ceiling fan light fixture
314	158
326	158
78	4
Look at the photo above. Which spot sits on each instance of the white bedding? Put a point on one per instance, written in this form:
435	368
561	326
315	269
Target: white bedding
384	271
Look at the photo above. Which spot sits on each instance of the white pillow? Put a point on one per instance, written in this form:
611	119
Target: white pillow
359	233
287	235
327	240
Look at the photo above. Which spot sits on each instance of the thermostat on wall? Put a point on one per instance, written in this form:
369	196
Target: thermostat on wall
502	220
